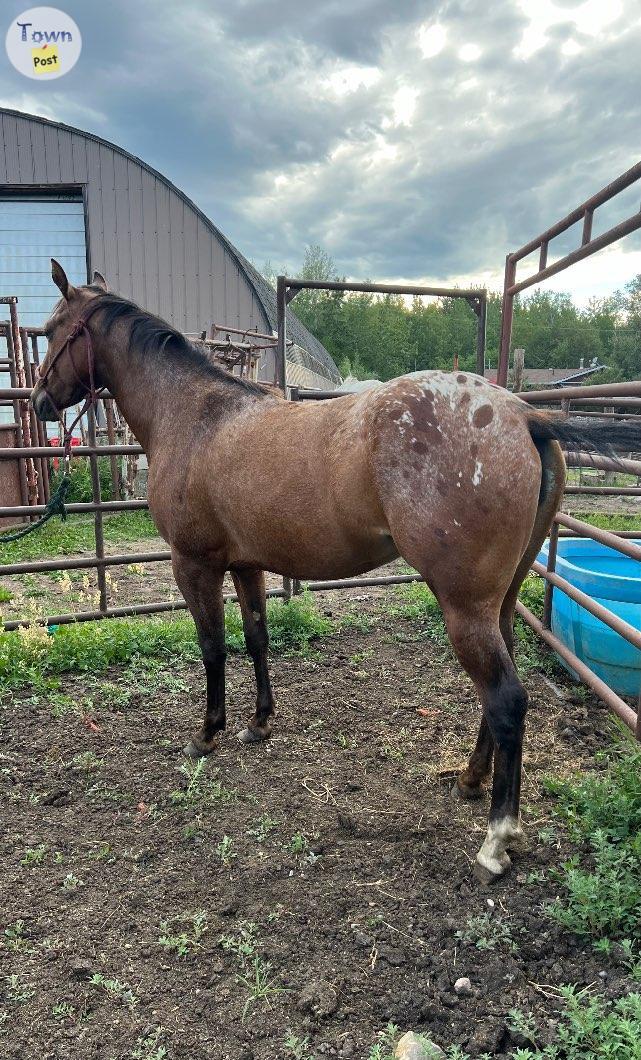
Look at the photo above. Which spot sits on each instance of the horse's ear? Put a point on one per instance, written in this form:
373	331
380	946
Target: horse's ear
99	281
59	277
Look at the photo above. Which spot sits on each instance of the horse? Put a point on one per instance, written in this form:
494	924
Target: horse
458	477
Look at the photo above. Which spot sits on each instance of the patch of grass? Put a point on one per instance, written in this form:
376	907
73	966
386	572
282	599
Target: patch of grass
186	941
199	788
32	655
420	604
603	813
255	972
76	534
592	1028
610	521
357	620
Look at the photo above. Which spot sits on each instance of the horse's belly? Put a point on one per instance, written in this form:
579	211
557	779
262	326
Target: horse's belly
317	558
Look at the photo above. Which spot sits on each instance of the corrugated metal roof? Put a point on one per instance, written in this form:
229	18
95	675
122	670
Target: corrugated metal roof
320	360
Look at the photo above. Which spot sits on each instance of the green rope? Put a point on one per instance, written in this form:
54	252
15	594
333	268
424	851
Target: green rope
55	506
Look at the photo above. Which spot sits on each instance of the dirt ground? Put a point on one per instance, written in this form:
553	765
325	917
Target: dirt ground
316	887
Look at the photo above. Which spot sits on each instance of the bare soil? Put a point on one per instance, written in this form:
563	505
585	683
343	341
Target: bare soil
345	850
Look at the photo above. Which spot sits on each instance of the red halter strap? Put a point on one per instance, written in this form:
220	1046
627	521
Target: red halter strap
79	328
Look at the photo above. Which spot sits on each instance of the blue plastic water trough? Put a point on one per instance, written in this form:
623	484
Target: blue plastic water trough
614	581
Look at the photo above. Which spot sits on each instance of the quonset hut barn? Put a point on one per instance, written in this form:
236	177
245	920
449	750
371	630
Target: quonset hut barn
71	195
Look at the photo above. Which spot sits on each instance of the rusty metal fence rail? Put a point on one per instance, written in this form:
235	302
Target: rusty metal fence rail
623	397
589	245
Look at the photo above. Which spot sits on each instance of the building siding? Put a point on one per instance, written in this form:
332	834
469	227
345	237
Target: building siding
151	246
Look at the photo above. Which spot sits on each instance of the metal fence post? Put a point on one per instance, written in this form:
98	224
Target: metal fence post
507	313
281	347
98	519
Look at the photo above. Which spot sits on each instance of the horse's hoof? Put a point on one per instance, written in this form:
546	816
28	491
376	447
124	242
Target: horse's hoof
486	875
251	736
190	750
465	791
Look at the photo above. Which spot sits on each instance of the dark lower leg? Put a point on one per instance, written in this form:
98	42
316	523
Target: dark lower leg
470	782
250	587
480	646
505	709
202	589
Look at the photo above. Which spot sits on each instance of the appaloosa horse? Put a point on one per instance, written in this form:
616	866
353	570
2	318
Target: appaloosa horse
459	477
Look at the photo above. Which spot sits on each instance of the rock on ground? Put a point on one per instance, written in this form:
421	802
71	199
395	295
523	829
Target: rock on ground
411	1047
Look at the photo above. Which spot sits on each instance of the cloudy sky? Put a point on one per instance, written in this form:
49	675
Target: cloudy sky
412	140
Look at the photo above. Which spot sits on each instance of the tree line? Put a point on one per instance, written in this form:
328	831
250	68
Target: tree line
385	336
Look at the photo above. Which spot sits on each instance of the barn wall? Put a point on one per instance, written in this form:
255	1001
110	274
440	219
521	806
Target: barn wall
151	244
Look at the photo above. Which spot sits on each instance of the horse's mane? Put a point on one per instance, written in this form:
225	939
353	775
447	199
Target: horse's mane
153	336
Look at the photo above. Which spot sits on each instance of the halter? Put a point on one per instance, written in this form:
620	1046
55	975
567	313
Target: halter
79	328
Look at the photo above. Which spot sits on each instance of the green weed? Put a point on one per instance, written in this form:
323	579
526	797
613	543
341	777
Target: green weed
16	991
35	855
487	932
297	1048
260	984
200	789
62	1010
117	991
184	942
603	813
592	1029
225	850
150	1047
264	827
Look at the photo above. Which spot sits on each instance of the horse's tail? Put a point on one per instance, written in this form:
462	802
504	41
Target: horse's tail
607	437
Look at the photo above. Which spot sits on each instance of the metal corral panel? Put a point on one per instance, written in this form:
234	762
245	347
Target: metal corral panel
151	242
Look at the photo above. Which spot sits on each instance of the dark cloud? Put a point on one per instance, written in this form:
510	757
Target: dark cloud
290	124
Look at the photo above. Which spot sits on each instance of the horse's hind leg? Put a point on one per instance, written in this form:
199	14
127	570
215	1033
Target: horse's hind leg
202	588
470	782
481	649
250	588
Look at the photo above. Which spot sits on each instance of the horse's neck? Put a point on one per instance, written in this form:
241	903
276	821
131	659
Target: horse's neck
139	387
157	399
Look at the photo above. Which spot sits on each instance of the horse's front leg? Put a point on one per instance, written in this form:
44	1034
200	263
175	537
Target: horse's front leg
202	588
250	588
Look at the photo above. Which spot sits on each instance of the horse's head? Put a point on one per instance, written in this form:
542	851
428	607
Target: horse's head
64	378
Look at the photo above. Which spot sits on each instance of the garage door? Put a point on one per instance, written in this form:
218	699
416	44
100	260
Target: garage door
34	229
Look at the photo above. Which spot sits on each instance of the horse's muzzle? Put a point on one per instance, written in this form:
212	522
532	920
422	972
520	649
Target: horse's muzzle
43	405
